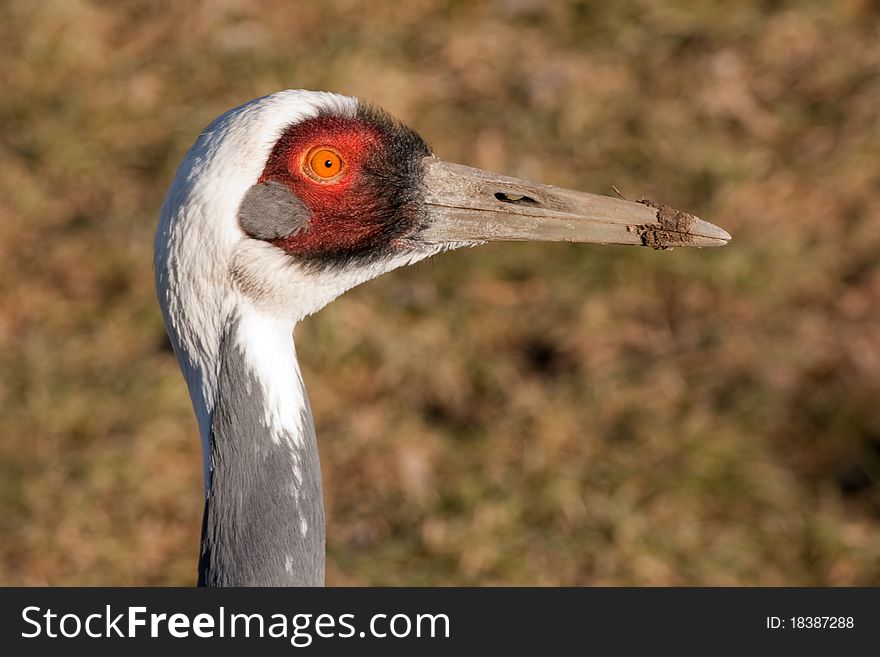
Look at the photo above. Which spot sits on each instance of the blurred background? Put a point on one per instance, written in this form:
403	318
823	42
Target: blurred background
515	414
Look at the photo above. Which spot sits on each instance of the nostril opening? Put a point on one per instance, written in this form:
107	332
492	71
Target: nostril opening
516	199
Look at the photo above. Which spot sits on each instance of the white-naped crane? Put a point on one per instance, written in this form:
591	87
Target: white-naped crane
281	205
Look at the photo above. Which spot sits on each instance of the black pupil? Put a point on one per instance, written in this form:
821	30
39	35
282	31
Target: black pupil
328	163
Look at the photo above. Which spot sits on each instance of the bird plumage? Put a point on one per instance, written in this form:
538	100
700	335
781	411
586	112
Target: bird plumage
255	235
230	303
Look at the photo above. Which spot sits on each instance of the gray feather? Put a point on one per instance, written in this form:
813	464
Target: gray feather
251	531
270	211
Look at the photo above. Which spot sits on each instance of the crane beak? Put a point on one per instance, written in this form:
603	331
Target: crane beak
471	205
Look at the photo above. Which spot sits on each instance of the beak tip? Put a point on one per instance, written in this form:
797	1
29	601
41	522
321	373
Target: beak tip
673	227
717	235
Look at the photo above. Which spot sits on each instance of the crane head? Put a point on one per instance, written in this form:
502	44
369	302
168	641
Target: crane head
338	190
287	201
297	196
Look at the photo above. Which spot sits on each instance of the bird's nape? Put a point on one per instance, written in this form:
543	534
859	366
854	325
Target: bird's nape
280	206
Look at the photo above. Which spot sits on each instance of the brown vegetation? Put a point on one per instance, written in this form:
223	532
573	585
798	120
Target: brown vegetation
516	414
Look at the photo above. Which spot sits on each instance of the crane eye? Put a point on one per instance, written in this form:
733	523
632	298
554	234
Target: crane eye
324	164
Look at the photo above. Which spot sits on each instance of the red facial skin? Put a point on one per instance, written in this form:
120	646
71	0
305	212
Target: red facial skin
342	210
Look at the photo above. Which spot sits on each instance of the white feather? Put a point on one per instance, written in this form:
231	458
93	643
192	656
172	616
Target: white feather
198	232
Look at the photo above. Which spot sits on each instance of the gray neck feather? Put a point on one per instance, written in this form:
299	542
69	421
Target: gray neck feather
264	511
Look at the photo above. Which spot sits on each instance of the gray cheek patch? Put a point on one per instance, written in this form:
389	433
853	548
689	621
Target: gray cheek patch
270	211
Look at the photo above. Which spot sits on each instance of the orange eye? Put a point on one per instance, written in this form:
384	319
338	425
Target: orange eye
324	163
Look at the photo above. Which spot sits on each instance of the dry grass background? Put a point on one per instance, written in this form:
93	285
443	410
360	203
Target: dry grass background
516	414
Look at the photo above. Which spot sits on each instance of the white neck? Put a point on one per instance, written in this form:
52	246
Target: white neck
265	344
